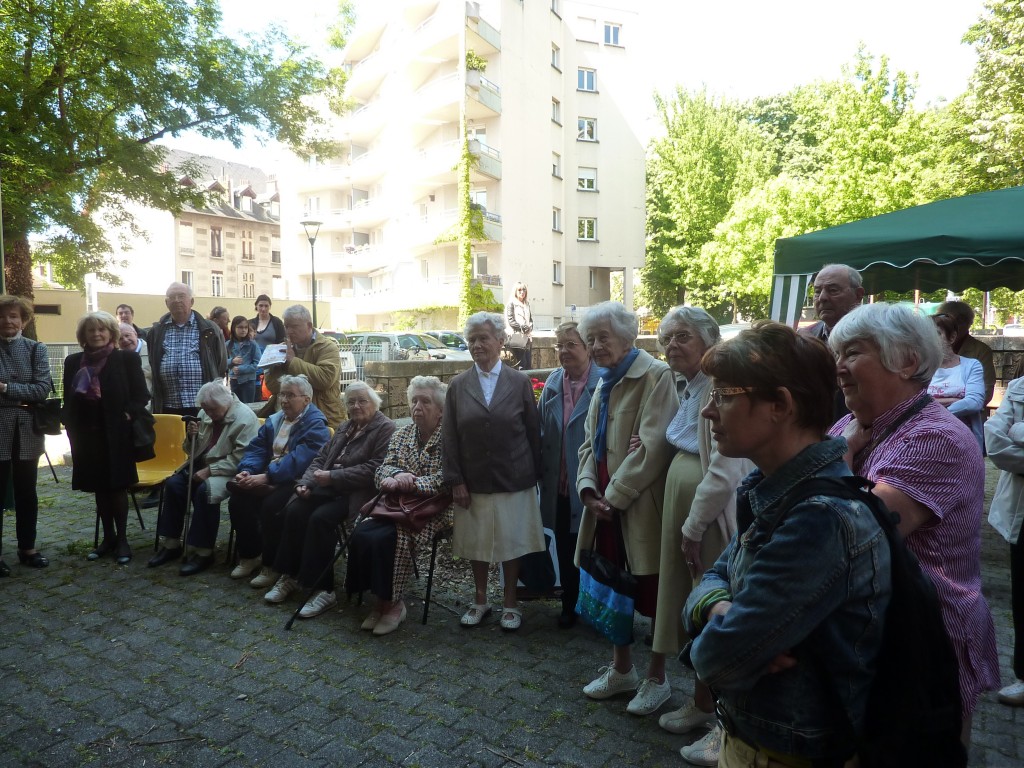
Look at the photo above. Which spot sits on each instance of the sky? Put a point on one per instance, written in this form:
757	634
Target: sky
737	48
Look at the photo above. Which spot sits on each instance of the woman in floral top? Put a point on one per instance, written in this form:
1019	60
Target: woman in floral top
381	553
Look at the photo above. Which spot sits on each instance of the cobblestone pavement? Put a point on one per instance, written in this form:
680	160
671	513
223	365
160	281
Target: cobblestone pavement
135	666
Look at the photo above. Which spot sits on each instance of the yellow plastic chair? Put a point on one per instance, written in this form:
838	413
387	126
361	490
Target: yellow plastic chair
170	431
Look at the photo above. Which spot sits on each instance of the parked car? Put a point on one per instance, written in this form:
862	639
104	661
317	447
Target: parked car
1013	329
338	336
401	346
451	339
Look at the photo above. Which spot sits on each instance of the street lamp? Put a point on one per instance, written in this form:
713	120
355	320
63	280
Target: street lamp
312	228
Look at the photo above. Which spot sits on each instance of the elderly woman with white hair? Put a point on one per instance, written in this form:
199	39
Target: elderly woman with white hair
339	481
927	467
380	553
623	492
274	461
699	515
313	355
491	455
223	430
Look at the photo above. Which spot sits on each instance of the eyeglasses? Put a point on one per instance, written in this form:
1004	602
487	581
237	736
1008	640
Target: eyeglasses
567	346
682	337
357	403
721	394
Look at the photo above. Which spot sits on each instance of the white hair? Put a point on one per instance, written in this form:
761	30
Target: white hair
362	386
432	384
693	317
298	312
902	334
619	320
481	319
213	393
299	382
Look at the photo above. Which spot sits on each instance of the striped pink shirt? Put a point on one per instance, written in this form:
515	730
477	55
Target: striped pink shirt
934	459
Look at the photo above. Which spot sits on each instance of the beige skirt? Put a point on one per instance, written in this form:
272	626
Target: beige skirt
674	581
498	527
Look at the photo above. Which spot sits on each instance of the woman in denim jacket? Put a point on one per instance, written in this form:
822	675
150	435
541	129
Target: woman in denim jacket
243	355
788	621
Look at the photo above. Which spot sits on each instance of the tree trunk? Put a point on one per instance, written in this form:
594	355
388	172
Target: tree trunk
18	267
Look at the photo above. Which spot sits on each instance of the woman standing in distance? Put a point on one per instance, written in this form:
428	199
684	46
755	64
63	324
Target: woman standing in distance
24	379
104	392
491	455
519	327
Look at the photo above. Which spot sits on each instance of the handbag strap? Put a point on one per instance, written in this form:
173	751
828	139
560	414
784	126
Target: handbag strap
35	348
625	554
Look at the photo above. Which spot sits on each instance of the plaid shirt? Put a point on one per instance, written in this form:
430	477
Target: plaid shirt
181	370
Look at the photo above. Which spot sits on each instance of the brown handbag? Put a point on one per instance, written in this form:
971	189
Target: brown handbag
410	510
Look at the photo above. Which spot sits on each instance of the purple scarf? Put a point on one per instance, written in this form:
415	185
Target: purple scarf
87	380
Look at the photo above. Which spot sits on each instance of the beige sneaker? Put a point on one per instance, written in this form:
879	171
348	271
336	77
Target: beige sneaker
246	566
267	578
705	750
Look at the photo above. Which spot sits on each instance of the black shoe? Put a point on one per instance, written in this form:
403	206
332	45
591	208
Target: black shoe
153	500
124	553
5	569
196	564
35	560
164	556
567	619
105	548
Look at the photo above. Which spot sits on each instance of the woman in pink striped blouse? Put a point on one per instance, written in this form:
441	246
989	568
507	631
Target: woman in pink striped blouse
927	467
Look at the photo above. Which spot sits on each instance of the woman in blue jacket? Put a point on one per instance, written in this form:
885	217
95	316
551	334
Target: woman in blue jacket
243	355
276	458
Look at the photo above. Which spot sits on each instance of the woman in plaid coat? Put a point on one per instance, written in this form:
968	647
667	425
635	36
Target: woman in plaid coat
24	378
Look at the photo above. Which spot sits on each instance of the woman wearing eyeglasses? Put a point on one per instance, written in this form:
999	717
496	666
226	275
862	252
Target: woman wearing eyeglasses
622	491
788	623
700	510
564	403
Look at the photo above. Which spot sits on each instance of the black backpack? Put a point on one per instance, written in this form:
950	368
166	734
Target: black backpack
913	712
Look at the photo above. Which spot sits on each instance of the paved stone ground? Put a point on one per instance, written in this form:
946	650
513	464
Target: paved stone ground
134	666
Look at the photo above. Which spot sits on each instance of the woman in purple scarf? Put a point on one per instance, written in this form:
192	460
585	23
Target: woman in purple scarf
104	391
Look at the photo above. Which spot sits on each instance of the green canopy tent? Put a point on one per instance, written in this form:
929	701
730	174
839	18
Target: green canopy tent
975	241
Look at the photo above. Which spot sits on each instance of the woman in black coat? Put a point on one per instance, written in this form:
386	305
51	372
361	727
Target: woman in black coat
104	391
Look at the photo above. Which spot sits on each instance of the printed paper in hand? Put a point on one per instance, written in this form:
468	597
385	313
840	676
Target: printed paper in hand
272	355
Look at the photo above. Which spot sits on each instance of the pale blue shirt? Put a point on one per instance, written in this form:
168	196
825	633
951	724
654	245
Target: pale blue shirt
488	380
682	431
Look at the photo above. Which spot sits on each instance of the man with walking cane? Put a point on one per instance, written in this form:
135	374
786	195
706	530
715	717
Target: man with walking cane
215	443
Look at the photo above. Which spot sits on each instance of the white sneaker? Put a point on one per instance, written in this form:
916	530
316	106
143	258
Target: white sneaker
246	566
705	750
685	719
318	603
610	683
649	696
1013	694
284	587
267	577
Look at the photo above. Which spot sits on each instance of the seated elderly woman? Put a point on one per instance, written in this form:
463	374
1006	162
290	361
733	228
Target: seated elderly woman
926	466
274	461
622	491
380	553
491	454
793	606
223	430
299	541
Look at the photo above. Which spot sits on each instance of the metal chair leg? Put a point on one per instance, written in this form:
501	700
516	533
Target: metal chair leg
430	574
343	538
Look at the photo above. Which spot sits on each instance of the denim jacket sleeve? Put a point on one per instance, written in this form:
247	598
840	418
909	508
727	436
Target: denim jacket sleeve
787	587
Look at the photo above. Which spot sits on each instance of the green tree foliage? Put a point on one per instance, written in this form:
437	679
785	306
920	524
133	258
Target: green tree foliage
994	102
88	86
708	158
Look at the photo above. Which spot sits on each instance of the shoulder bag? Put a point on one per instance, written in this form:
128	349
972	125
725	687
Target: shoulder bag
607	596
409	510
45	415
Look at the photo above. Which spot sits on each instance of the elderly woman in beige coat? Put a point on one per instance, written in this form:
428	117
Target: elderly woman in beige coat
700	506
623	491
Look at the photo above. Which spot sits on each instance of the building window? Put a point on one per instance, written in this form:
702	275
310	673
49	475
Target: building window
248	285
247	251
586	229
216	243
586	129
586	179
556	57
275	257
593	279
611	33
586	79
425	269
481	263
186	239
188	278
556	219
312	206
217	284
319	288
556	165
556	272
556	111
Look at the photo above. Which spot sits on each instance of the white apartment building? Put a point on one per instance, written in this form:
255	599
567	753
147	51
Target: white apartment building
559	170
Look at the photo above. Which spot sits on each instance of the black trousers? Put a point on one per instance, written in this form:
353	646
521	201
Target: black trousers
307	534
22	473
247	511
565	547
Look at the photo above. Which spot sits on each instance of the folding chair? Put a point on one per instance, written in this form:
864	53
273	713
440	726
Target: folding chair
170	431
441	535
